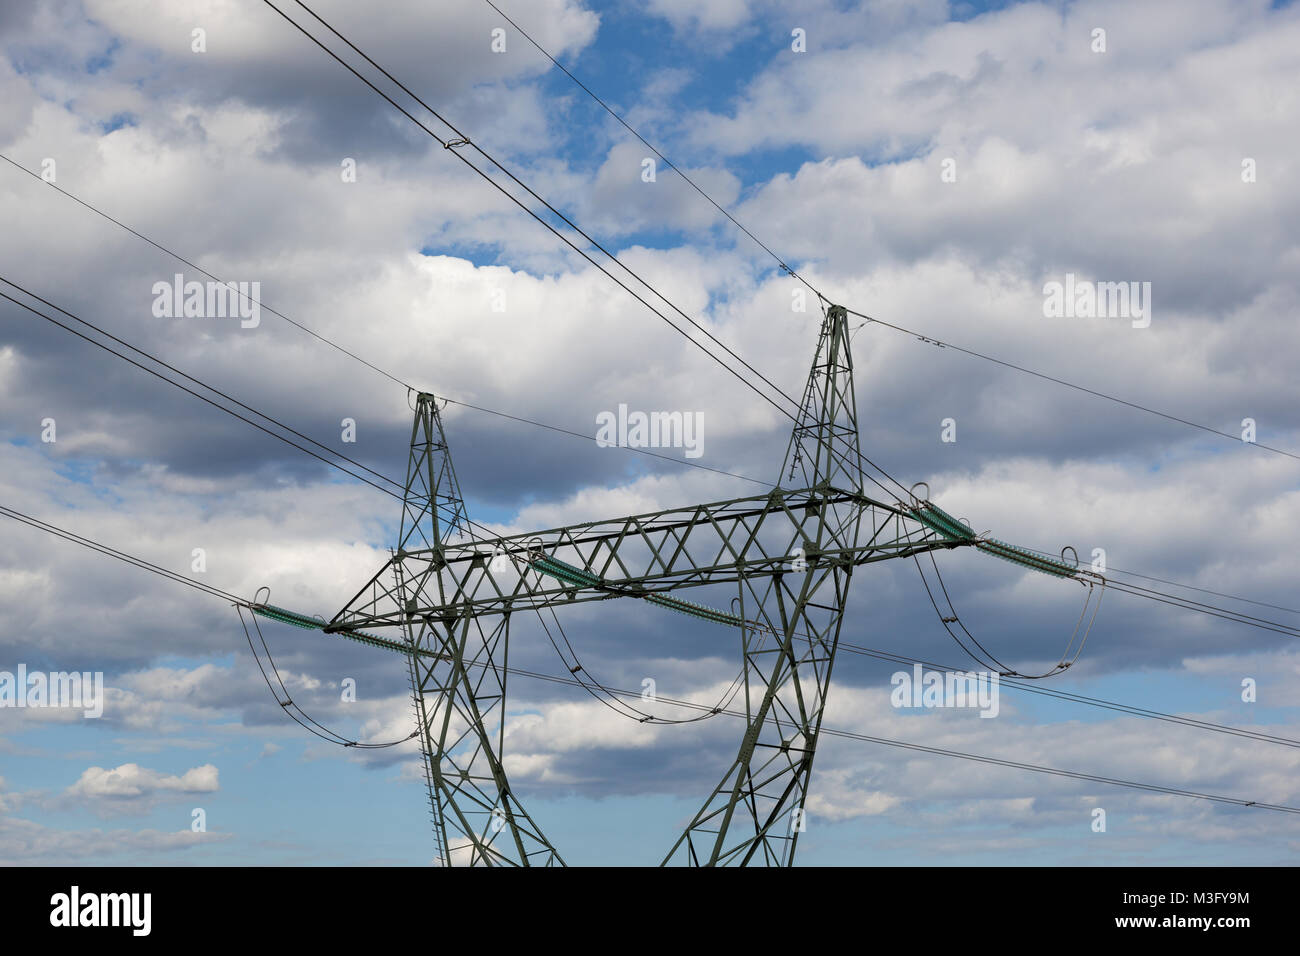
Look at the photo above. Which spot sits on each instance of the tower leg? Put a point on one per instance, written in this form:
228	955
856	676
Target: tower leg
460	690
755	815
460	703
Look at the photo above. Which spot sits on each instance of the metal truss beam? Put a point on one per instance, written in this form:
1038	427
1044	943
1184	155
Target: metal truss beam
720	542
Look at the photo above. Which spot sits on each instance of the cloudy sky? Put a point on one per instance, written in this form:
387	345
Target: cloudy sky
934	165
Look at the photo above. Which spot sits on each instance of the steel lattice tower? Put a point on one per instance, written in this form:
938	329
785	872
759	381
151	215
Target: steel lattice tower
790	555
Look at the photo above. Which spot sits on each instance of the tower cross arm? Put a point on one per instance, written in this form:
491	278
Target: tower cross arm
647	555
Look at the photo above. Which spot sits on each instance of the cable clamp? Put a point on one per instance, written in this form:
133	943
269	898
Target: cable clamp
452	144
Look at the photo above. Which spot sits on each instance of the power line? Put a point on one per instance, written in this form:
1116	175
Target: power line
452	146
852	648
1189	587
1099	702
478	149
238	602
201	270
945	752
288	701
288	705
1210	609
1005	681
644	451
856	649
1094	778
782	263
203	398
650	146
534	423
1060	381
253	300
214	404
172	368
1148	593
922	748
114	553
218	405
495	412
463	140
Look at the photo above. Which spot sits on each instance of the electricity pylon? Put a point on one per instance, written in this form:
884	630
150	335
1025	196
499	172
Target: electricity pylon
790	554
